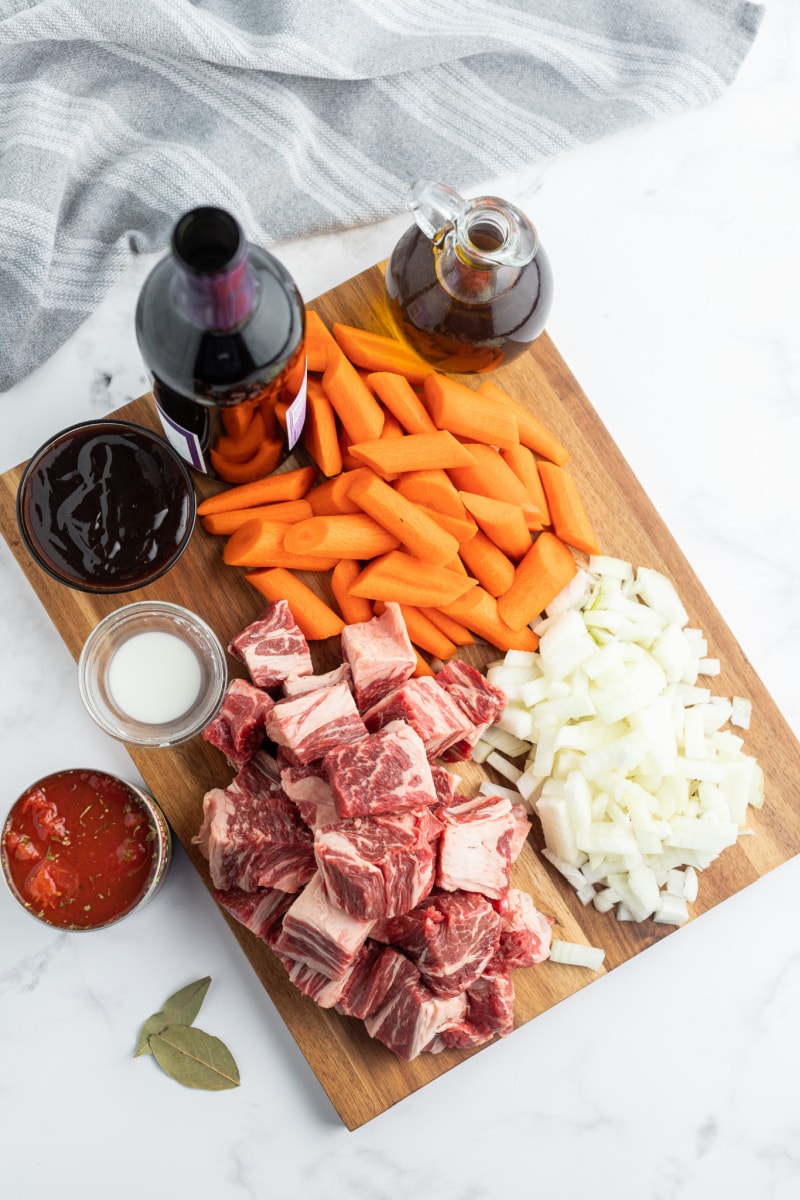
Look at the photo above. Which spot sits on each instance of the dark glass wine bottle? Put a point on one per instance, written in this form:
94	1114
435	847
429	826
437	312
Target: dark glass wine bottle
220	323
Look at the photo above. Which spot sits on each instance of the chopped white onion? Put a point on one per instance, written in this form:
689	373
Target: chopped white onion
628	765
574	954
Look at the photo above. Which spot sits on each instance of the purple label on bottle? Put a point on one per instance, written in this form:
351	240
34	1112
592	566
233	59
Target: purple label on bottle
186	443
296	413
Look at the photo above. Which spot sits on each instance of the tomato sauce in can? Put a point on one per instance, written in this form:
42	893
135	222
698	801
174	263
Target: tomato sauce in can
81	849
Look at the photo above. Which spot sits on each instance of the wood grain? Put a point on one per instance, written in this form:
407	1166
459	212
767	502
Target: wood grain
360	1076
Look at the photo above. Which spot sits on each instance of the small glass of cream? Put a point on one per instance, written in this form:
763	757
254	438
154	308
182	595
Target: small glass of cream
152	674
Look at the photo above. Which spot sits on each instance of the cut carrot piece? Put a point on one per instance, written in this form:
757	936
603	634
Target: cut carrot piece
493	569
468	413
332	497
422	667
249	545
567	511
285	512
522	462
479	612
492	476
320	435
236	419
346	535
408	580
391	427
264	461
267	409
259	543
544	571
354	609
504	523
320	344
242	447
415	452
532	432
425	634
413	528
316	619
356	407
450	627
279	408
434	489
377	352
461	528
398	396
285	485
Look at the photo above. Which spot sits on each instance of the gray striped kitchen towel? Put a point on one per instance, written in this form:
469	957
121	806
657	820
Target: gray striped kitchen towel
300	116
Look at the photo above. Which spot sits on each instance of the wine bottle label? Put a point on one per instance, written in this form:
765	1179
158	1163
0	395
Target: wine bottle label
186	443
296	413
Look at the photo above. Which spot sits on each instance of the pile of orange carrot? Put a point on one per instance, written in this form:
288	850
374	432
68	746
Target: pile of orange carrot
455	502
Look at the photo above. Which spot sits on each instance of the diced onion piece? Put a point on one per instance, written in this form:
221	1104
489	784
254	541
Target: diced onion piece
611	568
671	910
574	954
481	751
742	710
708	666
659	593
573	595
496	789
503	766
505	742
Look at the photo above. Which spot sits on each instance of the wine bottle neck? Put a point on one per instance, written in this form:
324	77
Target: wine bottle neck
217	301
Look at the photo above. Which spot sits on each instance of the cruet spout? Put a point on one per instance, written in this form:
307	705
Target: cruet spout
434	205
489	232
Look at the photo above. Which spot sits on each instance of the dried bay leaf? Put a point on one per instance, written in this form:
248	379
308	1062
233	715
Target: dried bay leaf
180	1008
195	1058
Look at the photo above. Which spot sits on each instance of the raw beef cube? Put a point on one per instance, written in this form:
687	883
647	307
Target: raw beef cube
490	1012
239	727
479	699
252	841
323	991
383	772
445	782
296	685
450	937
475	847
261	912
320	934
308	788
377	866
412	1015
427	708
525	933
370	980
312	724
379	654
258	777
272	647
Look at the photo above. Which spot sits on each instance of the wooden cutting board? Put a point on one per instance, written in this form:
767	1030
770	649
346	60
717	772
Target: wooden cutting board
360	1076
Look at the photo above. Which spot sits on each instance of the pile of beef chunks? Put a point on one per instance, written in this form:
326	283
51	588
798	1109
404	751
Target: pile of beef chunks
343	841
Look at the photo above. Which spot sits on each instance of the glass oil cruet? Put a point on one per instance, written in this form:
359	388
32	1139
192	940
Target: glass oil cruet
469	285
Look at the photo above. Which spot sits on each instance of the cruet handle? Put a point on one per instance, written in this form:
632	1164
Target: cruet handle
434	205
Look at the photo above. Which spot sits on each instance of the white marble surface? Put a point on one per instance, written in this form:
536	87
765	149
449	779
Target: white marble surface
677	252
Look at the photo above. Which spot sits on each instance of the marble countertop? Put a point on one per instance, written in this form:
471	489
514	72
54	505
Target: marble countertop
676	248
